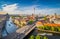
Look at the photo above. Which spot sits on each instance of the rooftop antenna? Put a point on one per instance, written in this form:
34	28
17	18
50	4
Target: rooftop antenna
34	9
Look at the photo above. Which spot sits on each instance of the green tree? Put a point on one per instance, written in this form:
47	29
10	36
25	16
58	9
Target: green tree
31	22
52	28
41	27
58	29
47	27
12	16
37	37
45	37
31	37
45	18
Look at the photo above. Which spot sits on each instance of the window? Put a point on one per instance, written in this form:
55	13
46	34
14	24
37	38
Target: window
11	22
9	25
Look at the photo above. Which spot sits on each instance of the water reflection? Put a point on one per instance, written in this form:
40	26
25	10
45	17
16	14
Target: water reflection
35	32
9	28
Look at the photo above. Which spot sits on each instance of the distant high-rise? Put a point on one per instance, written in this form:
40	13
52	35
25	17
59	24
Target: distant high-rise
34	10
7	16
55	15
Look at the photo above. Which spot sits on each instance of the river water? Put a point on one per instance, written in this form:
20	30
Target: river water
9	28
35	32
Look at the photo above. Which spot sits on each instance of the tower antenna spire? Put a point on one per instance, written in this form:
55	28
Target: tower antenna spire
34	9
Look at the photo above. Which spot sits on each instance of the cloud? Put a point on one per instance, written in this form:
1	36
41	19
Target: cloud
15	9
48	10
11	9
30	10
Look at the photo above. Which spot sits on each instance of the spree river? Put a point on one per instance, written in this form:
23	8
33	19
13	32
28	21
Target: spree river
35	32
9	28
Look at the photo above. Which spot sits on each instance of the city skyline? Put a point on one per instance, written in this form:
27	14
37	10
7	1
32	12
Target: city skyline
27	6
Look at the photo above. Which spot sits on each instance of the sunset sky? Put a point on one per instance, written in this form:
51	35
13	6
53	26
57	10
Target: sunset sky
27	6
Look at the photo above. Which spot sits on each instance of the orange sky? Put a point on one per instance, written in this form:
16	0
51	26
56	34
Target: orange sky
1	12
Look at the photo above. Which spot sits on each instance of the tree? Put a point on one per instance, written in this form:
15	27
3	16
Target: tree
52	28
31	37
47	27
45	18
58	29
45	37
41	27
37	37
30	22
12	17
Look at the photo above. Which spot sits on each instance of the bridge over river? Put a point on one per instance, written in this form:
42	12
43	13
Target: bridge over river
20	33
